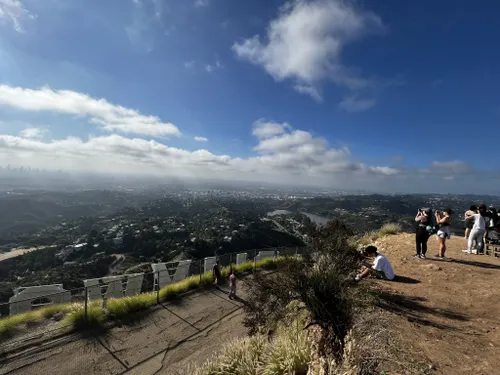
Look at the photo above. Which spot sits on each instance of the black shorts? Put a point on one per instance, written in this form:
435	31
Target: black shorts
469	224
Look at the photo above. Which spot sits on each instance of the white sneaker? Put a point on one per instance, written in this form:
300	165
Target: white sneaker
357	278
466	251
473	252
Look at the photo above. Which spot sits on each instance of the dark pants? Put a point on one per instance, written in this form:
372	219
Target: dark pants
421	239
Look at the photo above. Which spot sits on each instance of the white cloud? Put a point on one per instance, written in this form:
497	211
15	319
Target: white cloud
354	104
33	133
304	44
109	116
267	129
14	12
200	139
312	91
201	3
211	67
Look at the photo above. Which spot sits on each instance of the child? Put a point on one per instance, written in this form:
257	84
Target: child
232	285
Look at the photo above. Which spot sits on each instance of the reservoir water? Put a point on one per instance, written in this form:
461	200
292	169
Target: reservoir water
318	220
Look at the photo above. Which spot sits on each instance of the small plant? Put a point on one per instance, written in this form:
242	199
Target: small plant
390	229
240	357
78	319
288	353
121	307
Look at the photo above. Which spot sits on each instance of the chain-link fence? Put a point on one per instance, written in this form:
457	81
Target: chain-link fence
50	303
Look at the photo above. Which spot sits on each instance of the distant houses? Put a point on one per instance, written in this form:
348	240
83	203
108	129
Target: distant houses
68	250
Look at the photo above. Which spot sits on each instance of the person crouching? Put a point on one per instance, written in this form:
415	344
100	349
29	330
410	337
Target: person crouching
381	268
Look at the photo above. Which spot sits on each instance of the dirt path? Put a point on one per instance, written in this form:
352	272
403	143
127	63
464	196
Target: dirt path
452	308
164	342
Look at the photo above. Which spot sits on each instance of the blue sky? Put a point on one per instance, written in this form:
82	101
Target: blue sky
383	95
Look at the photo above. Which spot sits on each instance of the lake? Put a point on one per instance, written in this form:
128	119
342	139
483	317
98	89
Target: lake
319	220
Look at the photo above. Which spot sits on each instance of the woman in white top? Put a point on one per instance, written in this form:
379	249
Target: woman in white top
481	221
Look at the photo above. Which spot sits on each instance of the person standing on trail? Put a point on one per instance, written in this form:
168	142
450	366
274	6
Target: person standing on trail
423	219
381	267
216	273
468	223
481	221
232	285
443	219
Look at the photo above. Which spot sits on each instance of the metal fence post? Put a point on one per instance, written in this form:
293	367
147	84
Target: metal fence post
157	287
201	270
255	261
86	303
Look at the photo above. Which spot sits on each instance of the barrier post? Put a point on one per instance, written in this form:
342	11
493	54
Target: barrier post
86	303
255	261
200	264
158	287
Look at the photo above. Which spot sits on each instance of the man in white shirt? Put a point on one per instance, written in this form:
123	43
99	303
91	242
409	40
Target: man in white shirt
381	267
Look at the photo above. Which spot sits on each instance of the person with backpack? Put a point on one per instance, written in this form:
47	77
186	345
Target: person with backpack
424	220
481	221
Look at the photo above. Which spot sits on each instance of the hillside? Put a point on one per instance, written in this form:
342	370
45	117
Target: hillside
447	312
440	317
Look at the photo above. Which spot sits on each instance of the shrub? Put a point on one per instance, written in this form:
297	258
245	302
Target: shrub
323	287
288	353
390	229
121	307
95	318
240	357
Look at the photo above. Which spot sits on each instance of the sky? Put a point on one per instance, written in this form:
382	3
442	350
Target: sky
389	96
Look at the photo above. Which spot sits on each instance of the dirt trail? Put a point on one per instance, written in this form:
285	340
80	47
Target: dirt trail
164	342
452	308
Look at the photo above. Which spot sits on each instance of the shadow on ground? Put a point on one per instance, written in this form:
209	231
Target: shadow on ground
405	280
415	310
477	264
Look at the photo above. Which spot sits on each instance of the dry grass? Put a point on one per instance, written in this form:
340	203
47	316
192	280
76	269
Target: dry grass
370	237
9	324
288	353
390	229
374	347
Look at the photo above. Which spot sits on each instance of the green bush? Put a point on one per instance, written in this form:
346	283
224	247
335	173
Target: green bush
323	286
121	307
288	353
94	319
240	357
390	229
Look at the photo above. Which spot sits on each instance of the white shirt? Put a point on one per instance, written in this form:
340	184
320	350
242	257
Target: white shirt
480	222
381	263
